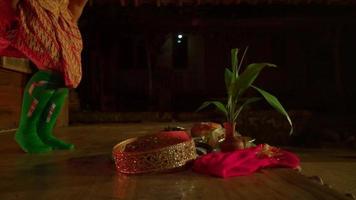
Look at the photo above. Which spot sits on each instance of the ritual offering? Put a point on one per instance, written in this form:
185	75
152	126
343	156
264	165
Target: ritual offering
237	83
208	132
204	128
163	151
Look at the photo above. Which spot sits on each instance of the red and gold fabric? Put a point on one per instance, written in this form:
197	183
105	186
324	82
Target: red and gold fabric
43	31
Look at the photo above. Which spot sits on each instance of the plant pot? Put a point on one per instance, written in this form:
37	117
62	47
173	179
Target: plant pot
231	142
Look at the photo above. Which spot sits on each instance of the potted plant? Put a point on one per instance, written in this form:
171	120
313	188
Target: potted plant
236	85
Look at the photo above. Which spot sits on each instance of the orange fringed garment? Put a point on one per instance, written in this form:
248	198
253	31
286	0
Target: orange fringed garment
42	31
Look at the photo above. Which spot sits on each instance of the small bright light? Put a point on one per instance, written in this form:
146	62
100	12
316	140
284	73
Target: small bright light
180	36
179	41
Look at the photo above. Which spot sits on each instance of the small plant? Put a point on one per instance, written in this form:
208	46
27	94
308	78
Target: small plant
236	86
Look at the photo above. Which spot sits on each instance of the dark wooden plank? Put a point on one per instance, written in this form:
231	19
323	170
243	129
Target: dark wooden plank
16	64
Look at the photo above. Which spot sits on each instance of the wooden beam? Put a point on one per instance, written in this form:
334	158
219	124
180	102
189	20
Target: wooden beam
16	64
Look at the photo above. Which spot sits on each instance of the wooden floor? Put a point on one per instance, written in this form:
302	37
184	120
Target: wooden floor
88	173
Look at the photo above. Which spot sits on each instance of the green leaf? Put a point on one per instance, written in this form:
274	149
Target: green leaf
220	106
234	60
249	76
273	101
242	60
248	101
228	76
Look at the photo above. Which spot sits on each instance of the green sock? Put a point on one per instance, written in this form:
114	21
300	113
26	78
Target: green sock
36	96
49	118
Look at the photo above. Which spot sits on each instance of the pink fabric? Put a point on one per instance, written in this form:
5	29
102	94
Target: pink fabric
244	162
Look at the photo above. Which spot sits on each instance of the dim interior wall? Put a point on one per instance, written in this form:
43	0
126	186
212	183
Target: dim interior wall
196	61
190	78
164	60
313	49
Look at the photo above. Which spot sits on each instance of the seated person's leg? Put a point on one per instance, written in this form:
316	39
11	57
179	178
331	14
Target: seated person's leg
37	93
48	120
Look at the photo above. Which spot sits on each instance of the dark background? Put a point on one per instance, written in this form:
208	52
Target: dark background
133	62
313	47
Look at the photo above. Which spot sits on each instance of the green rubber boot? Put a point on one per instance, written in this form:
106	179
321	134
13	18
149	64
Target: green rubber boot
36	96
49	118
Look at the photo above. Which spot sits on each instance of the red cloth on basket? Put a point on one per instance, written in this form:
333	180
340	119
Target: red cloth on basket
244	162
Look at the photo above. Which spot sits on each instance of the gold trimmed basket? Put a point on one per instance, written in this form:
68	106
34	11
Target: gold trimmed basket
163	151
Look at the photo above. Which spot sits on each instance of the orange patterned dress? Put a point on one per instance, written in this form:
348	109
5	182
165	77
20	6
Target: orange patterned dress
43	31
